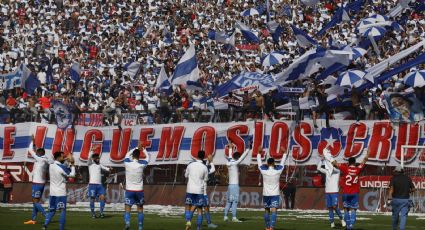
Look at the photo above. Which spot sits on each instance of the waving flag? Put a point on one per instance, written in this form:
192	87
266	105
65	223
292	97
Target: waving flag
303	39
305	65
132	68
287	10
247	33
15	78
250	12
276	30
264	82
218	36
75	72
187	68
31	83
163	84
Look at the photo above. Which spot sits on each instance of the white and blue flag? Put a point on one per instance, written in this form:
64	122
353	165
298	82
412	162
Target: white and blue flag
163	84
132	68
219	36
187	68
247	33
13	79
303	39
264	82
21	77
75	72
276	30
309	62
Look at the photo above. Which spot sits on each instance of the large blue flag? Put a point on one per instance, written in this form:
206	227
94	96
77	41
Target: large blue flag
187	68
264	82
247	33
276	30
162	83
75	72
303	39
133	68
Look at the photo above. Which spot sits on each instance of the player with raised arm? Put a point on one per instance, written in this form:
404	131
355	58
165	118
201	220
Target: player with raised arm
331	189
60	170
350	186
39	173
197	175
134	183
233	161
96	188
211	169
271	180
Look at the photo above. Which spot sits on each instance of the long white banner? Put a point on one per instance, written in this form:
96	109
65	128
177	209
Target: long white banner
178	143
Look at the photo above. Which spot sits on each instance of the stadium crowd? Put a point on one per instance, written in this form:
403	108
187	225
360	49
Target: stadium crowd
104	36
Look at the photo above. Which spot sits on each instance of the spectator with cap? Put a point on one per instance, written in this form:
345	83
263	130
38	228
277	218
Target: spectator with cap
400	188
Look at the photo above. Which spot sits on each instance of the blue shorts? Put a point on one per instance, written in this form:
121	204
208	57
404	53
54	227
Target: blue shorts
132	197
331	200
37	190
57	202
95	190
233	193
271	201
350	201
195	199
206	201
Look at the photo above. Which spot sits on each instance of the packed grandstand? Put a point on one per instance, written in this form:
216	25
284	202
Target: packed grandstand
183	76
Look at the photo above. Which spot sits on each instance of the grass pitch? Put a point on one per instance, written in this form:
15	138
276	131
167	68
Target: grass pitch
13	218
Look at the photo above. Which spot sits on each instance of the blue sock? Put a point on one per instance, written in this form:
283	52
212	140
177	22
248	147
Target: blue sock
127	218
49	217
331	215
199	221
267	220
208	217
92	206
62	220
353	217
226	209
188	215
40	209
338	212
141	218
347	217
34	211
274	217
102	206
234	207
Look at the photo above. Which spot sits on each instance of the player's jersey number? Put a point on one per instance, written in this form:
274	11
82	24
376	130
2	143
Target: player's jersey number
350	180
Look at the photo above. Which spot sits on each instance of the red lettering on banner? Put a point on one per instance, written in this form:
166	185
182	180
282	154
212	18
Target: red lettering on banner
258	139
203	139
145	136
8	141
69	141
58	141
380	141
278	138
120	144
408	134
354	148
302	150
234	134
60	136
170	141
92	137
40	135
422	151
